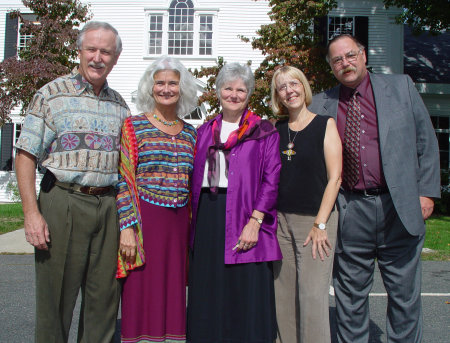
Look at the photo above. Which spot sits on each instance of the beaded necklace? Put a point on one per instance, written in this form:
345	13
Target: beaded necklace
164	122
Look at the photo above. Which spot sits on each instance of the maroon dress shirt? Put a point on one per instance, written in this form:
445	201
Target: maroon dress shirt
370	167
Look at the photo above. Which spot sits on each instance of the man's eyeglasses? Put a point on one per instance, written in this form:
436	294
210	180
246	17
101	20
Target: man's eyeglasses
349	57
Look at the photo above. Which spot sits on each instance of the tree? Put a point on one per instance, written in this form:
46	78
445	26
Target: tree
423	15
292	40
51	53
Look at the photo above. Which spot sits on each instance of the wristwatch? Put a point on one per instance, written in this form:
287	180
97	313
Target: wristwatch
259	220
320	226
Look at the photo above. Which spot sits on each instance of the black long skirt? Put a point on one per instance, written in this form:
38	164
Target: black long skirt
226	303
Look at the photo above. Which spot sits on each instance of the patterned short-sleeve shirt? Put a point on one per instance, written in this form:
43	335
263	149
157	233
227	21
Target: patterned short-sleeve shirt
75	133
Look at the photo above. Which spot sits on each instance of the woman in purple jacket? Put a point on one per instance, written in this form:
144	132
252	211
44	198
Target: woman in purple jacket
233	231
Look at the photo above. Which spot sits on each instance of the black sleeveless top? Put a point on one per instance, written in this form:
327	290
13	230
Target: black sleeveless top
303	179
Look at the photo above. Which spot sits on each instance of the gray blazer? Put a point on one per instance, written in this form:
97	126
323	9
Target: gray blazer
408	144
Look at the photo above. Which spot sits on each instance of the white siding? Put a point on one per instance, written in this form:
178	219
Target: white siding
234	17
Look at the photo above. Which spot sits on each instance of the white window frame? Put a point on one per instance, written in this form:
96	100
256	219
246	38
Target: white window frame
197	19
340	18
148	32
165	36
24	38
23	41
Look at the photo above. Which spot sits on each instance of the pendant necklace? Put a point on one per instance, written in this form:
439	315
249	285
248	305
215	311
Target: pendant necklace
164	122
290	152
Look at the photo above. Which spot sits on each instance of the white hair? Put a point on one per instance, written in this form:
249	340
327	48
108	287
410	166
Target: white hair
188	88
232	72
96	25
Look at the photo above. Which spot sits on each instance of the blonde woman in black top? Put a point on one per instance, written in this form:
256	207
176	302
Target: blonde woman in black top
311	156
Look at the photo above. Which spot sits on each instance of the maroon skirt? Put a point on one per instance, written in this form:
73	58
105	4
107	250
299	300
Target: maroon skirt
154	295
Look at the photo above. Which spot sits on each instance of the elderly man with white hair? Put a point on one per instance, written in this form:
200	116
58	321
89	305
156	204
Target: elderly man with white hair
72	129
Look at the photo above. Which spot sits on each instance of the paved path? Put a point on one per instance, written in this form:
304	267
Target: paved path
15	243
17	302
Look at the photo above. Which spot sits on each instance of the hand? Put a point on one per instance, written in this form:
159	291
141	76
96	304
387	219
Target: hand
427	205
127	245
248	237
36	231
320	243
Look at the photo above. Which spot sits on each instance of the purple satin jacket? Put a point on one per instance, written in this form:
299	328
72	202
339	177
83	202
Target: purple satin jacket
253	176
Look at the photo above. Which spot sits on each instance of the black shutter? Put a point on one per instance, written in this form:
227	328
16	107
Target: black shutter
6	147
362	32
11	27
321	30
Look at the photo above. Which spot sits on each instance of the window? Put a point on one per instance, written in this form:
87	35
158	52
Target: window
206	33
17	132
442	129
181	30
330	26
340	25
24	40
156	34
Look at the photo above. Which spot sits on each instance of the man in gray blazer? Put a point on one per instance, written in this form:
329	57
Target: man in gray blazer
390	177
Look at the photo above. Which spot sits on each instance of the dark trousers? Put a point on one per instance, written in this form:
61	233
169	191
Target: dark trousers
370	230
82	255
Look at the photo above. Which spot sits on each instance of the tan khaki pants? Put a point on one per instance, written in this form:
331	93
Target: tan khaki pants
302	283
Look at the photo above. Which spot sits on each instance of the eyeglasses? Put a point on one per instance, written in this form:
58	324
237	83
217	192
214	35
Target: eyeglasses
292	85
349	57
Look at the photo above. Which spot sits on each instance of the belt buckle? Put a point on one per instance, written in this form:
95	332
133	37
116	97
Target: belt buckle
90	190
86	190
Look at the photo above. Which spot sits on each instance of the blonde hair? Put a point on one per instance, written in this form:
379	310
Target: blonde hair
277	107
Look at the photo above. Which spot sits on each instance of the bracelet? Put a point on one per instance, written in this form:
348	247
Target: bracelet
259	220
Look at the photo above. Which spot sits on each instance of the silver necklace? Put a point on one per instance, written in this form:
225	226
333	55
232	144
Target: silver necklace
290	151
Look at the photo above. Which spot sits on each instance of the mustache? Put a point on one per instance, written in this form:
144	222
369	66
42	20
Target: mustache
96	65
346	70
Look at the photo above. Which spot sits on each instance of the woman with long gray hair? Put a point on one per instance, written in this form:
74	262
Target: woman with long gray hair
156	161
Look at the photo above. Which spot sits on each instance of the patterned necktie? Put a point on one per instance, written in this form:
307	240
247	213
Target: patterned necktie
351	141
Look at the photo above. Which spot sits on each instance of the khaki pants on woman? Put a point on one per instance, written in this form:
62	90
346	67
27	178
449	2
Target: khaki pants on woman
301	282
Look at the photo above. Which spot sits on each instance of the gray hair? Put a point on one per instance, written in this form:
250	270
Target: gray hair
188	88
232	72
96	25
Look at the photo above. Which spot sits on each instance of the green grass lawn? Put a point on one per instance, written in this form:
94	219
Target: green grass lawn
11	217
436	239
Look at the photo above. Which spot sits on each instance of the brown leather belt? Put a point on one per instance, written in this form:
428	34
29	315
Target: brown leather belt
84	189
